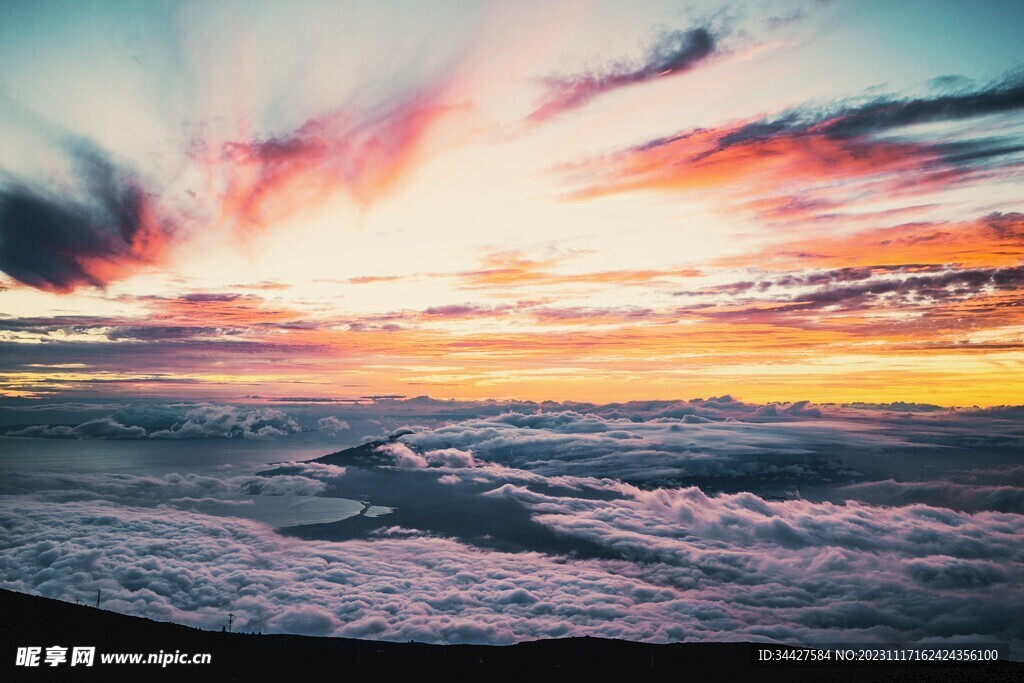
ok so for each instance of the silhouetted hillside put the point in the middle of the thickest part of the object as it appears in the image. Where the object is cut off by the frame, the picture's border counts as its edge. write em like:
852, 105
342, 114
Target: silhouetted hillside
35, 621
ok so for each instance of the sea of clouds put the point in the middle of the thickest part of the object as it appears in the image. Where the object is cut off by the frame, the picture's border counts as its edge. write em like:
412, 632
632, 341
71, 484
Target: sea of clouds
708, 520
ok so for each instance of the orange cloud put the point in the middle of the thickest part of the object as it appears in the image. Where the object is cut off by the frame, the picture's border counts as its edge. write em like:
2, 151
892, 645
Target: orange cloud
707, 159
817, 161
515, 269
270, 180
993, 240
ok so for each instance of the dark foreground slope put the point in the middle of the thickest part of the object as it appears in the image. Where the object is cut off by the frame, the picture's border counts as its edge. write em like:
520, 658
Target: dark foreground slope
34, 621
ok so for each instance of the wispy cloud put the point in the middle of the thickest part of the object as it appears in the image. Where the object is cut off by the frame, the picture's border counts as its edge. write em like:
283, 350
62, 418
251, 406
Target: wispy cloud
835, 155
671, 53
515, 268
362, 154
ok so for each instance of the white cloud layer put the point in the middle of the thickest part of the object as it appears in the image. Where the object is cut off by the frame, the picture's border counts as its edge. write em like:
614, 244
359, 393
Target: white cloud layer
692, 567
871, 558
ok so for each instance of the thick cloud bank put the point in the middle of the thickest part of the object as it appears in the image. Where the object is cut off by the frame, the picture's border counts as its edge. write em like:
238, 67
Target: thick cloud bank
183, 421
693, 567
655, 521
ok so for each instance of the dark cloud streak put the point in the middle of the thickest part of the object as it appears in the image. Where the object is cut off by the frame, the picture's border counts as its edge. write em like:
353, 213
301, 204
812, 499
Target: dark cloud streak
673, 53
871, 143
53, 242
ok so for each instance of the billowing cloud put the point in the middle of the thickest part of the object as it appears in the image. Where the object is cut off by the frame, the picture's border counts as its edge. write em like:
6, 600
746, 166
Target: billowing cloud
969, 497
308, 479
672, 53
872, 524
101, 228
788, 450
450, 457
226, 421
686, 447
694, 567
102, 428
403, 456
181, 421
332, 425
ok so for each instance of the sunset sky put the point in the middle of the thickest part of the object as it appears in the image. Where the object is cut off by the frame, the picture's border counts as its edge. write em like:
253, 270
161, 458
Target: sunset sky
598, 201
